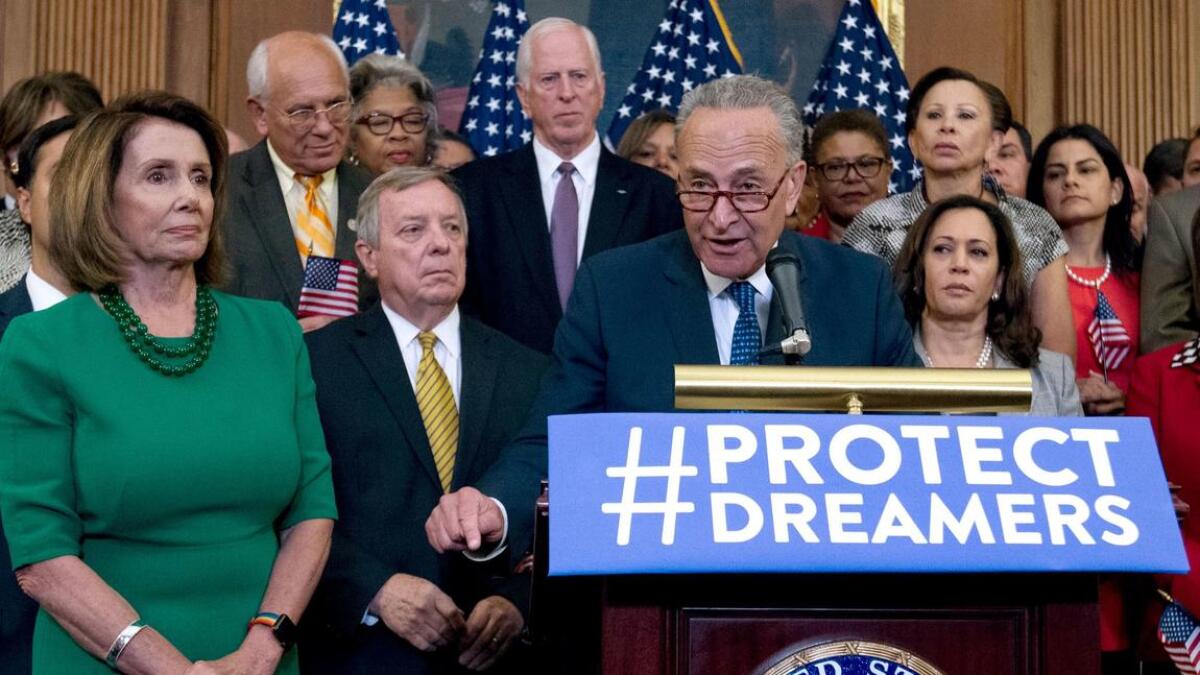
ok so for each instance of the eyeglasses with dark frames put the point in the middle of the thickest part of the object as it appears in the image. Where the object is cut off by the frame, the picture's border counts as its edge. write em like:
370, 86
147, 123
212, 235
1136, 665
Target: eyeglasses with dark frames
306, 118
837, 170
703, 201
381, 124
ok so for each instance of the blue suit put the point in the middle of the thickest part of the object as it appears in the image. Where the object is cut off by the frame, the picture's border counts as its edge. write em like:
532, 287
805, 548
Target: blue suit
637, 311
17, 610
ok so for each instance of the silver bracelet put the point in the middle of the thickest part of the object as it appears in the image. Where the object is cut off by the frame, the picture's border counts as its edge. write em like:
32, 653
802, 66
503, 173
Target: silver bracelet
122, 641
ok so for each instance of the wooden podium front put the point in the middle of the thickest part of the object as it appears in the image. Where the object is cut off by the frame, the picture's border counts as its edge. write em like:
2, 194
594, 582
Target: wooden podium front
676, 625
970, 624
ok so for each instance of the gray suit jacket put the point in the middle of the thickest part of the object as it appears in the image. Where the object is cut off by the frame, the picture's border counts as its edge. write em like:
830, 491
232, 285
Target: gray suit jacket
1054, 390
258, 234
1169, 272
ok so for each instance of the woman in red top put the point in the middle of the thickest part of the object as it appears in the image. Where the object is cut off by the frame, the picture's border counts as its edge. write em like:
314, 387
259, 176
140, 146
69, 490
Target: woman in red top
1166, 388
1079, 177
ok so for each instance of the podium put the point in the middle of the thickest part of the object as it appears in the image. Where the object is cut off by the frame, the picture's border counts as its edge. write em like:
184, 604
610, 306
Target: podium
1017, 624
1039, 621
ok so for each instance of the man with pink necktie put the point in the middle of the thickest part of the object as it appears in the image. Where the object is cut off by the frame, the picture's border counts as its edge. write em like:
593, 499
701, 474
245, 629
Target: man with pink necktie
539, 211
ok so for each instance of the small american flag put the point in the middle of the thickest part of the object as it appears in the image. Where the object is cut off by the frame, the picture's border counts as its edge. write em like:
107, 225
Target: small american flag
363, 27
1110, 342
861, 71
692, 45
330, 287
1180, 636
494, 121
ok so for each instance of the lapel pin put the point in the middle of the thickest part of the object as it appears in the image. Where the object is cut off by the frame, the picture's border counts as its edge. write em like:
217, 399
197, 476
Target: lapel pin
622, 191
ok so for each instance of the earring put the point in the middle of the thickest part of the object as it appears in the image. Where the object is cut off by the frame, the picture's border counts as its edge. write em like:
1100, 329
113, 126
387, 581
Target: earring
995, 296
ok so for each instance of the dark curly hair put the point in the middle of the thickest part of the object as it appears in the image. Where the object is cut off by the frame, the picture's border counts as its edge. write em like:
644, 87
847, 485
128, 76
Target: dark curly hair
1119, 243
1009, 323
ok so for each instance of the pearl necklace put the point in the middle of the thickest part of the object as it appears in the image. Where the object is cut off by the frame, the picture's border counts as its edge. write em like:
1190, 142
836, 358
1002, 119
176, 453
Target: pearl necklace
1092, 283
985, 355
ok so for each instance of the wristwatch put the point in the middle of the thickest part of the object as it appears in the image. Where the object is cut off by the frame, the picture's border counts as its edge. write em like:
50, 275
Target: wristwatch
281, 626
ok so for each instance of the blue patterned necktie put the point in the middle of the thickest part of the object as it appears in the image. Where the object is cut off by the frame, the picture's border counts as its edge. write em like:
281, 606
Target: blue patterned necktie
747, 338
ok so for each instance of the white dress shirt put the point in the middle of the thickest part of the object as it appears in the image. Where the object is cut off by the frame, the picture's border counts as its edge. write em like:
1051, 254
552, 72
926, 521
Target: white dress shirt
448, 352
41, 293
294, 191
587, 164
724, 308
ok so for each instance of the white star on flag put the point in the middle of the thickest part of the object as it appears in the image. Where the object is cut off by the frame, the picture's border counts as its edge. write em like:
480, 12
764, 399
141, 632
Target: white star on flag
691, 36
857, 67
363, 28
500, 125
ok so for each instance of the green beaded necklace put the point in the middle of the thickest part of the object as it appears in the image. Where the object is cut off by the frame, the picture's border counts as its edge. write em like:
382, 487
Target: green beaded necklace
172, 361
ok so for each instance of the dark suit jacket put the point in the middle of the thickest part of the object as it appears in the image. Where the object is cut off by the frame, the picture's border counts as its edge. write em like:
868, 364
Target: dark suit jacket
1169, 272
510, 270
386, 484
258, 234
17, 610
13, 303
637, 312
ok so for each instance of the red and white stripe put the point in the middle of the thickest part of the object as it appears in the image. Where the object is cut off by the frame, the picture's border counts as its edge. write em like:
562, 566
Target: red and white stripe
1187, 655
342, 301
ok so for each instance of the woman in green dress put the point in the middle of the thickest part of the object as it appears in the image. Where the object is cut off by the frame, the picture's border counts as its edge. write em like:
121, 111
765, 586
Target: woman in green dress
163, 475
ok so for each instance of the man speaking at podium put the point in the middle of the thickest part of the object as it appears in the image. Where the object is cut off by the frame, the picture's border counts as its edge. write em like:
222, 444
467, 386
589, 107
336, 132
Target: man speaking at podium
699, 296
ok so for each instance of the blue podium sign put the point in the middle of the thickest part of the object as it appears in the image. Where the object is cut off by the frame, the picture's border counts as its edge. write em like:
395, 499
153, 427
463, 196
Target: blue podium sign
736, 492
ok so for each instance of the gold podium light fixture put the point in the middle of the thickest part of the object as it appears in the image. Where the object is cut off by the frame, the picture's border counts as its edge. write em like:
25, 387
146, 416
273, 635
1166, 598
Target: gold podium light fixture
895, 390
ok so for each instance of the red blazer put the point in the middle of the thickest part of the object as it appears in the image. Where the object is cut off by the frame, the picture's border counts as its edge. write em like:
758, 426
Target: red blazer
1170, 397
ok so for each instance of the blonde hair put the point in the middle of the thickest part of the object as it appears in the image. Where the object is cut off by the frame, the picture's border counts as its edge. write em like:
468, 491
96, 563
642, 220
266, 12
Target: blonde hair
84, 243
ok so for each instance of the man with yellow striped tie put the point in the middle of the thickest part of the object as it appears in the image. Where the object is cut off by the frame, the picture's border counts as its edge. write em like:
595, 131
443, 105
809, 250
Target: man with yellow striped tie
416, 401
292, 195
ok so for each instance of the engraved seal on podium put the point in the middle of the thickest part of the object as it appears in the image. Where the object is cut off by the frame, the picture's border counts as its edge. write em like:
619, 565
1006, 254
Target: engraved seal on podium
847, 657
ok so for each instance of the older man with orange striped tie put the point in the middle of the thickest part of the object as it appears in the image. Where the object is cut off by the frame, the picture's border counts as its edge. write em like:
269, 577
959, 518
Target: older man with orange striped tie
292, 194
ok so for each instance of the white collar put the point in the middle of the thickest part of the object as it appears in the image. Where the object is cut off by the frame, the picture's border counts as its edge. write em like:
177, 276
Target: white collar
717, 284
42, 293
287, 176
587, 162
446, 331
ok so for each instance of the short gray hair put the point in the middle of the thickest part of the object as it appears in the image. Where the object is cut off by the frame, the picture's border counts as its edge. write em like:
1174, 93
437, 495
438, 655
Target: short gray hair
744, 92
256, 66
401, 178
545, 27
380, 70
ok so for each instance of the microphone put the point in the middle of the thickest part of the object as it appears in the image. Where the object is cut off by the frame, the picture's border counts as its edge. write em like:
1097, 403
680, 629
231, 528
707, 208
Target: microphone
783, 269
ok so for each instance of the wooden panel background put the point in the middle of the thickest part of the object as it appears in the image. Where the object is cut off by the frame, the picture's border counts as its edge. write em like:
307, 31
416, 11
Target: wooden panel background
1131, 69
119, 44
977, 35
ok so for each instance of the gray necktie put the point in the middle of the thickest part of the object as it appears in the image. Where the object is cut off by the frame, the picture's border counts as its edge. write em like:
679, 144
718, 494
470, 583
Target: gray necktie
564, 232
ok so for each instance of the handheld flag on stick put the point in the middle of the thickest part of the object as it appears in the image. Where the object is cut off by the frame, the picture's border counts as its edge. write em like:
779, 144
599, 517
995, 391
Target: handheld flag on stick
1180, 635
330, 287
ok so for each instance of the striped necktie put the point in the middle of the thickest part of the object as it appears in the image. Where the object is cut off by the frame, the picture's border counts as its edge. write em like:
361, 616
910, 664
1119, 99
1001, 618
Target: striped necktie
316, 232
436, 401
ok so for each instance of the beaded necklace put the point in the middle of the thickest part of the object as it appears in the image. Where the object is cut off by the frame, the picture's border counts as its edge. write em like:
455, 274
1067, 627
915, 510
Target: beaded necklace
985, 355
1092, 283
169, 360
